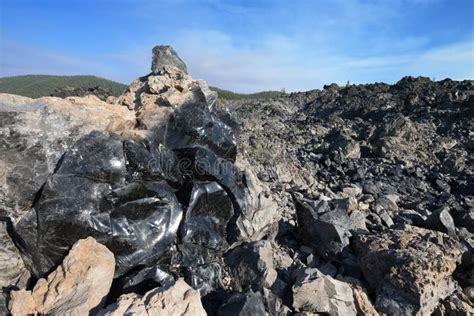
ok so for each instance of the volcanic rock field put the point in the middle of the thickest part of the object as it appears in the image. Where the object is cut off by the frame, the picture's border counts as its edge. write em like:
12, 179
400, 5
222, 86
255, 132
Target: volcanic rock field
349, 200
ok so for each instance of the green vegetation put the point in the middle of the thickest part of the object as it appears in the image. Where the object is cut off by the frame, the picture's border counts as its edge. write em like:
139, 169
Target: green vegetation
229, 95
35, 86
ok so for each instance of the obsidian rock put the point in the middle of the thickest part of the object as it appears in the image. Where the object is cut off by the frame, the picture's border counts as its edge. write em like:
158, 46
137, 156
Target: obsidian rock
328, 232
243, 304
165, 55
251, 266
209, 211
195, 125
93, 194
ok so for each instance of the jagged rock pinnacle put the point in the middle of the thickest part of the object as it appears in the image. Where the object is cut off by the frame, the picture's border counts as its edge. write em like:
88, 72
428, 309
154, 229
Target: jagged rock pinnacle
165, 55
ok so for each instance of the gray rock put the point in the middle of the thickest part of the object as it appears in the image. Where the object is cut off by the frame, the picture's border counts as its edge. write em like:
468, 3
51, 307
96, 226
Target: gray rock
358, 220
328, 269
457, 304
3, 303
410, 217
274, 305
384, 216
387, 203
340, 140
442, 221
243, 304
328, 232
317, 293
12, 268
252, 266
165, 55
13, 272
351, 190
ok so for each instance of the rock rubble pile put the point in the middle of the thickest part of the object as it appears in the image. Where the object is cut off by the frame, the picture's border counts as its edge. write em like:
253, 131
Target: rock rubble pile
352, 200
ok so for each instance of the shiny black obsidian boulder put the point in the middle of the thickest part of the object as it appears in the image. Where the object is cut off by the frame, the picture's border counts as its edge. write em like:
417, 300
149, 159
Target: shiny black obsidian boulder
195, 125
94, 194
204, 235
207, 216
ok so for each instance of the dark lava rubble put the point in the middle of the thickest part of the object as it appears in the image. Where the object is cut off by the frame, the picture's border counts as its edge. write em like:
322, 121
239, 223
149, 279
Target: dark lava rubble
355, 200
369, 160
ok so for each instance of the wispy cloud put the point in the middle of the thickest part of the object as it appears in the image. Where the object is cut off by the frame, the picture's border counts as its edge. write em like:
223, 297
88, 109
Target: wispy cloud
278, 63
262, 45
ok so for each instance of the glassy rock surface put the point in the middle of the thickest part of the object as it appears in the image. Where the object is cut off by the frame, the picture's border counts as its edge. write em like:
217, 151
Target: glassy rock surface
91, 195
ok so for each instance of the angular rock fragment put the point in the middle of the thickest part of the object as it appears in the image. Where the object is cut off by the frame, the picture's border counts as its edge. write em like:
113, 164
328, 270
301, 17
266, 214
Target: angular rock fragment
178, 299
252, 266
202, 267
254, 212
411, 268
327, 231
243, 304
352, 190
165, 55
140, 281
317, 293
77, 286
21, 303
442, 221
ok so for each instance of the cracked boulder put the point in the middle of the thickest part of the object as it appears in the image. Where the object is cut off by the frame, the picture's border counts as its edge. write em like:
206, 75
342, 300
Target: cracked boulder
409, 267
193, 124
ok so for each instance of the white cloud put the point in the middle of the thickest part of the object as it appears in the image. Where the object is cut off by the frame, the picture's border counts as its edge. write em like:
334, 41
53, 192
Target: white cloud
280, 61
276, 61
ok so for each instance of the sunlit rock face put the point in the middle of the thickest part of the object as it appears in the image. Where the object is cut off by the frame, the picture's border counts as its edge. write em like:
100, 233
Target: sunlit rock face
159, 188
347, 200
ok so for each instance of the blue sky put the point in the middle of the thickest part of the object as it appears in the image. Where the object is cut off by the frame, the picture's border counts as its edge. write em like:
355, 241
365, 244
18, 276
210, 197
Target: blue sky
241, 45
